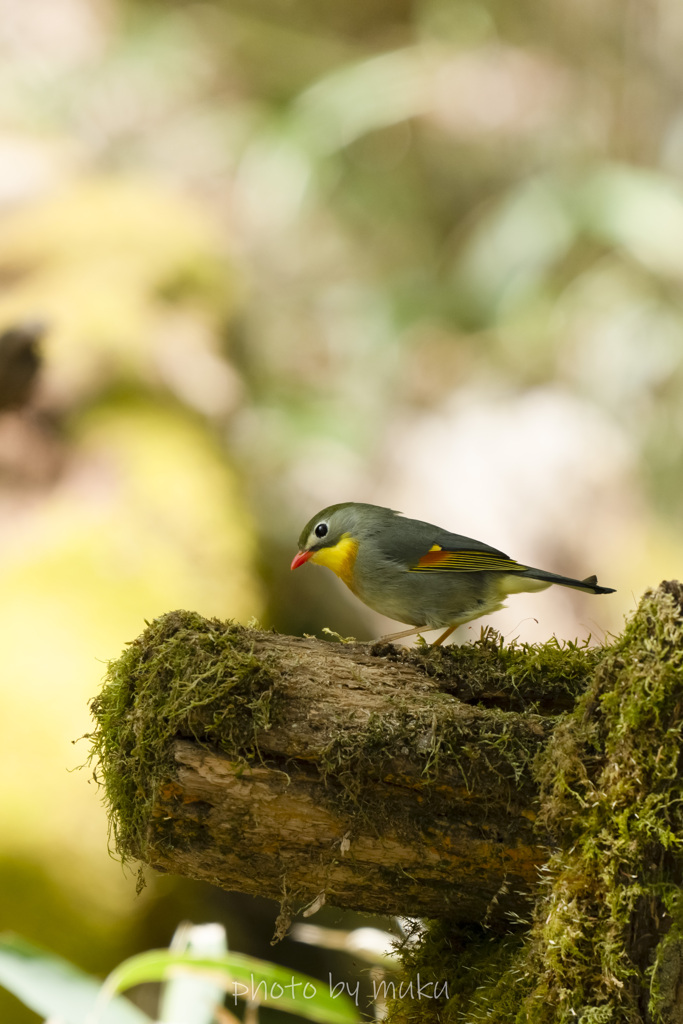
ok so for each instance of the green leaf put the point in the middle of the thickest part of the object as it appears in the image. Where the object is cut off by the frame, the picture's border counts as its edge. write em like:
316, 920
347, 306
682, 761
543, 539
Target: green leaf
53, 987
241, 977
192, 998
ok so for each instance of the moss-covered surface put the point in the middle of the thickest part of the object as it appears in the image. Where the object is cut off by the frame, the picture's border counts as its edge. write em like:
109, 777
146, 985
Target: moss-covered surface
520, 676
191, 677
604, 944
520, 686
186, 676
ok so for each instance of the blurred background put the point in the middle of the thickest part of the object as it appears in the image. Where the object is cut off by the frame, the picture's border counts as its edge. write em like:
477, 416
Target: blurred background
283, 253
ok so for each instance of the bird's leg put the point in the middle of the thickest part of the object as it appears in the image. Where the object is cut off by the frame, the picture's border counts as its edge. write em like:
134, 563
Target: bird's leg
444, 636
390, 637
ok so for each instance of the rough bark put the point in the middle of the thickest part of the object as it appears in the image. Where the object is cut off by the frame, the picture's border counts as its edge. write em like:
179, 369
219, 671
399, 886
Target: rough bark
380, 780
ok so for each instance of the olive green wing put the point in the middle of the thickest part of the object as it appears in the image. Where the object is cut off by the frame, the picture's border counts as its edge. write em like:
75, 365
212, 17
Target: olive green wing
421, 547
450, 552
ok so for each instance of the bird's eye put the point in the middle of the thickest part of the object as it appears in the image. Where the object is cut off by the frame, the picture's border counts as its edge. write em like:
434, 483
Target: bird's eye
321, 530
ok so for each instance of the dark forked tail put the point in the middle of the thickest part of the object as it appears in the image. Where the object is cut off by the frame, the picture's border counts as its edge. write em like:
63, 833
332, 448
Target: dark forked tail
590, 583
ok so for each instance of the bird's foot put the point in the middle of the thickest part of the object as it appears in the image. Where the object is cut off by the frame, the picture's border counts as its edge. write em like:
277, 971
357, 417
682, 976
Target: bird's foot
390, 637
444, 636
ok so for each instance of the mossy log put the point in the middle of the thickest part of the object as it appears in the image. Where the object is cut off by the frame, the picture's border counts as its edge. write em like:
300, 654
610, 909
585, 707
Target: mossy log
605, 942
431, 782
376, 778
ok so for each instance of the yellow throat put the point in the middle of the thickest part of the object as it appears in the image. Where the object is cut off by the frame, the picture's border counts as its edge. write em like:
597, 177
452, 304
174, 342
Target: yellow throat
340, 558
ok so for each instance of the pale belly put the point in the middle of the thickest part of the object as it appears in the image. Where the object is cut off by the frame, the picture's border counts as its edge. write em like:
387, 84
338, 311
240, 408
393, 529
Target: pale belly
437, 600
434, 602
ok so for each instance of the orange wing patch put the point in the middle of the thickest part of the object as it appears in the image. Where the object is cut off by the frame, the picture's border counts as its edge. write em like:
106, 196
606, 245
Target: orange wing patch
438, 560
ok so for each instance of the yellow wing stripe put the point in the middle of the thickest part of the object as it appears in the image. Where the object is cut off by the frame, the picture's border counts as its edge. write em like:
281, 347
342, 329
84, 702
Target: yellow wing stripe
466, 561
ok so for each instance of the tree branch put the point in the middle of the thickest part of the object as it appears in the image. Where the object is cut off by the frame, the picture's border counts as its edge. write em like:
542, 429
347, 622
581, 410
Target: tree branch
388, 780
405, 782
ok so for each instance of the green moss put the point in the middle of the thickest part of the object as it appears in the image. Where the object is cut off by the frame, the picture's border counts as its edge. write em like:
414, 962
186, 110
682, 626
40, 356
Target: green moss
517, 675
496, 750
189, 676
603, 942
185, 676
492, 752
604, 945
468, 969
612, 788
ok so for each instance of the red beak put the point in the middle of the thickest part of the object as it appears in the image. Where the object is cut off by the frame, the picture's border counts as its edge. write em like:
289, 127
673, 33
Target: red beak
300, 558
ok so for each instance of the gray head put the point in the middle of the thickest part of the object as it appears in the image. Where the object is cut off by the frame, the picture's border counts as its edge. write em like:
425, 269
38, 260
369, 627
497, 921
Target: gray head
353, 518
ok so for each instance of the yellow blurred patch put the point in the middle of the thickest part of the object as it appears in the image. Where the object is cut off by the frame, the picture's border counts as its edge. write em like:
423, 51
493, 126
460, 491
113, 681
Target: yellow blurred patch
103, 263
149, 517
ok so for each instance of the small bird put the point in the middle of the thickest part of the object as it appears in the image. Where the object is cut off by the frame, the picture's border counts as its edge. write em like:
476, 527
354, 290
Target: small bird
418, 573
